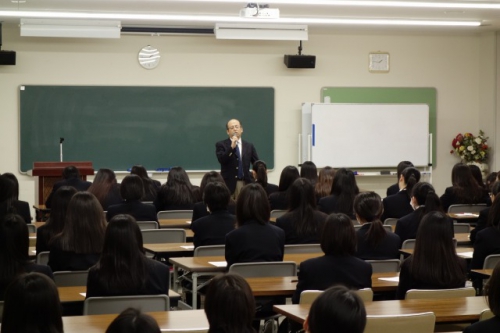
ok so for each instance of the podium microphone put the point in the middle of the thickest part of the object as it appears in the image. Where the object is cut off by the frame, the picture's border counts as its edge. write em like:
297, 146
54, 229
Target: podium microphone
61, 140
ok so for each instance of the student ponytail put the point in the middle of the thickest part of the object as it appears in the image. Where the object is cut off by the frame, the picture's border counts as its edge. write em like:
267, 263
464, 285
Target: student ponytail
260, 169
425, 196
368, 206
411, 177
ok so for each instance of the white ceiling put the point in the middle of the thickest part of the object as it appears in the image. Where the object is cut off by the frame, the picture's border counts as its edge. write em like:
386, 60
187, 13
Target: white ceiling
490, 18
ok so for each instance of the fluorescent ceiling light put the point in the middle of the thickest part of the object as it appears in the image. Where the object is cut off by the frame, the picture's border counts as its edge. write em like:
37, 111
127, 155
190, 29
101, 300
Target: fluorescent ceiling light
70, 28
231, 19
260, 31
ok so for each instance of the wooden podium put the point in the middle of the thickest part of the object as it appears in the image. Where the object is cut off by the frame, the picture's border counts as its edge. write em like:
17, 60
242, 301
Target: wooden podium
51, 172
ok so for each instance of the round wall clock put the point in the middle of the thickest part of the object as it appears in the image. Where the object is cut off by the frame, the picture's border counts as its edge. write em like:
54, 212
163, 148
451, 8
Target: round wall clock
149, 57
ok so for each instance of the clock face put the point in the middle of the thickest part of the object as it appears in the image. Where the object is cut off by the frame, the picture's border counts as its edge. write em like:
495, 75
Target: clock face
379, 62
149, 57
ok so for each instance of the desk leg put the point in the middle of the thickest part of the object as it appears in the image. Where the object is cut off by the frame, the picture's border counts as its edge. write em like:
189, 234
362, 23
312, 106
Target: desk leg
194, 276
175, 282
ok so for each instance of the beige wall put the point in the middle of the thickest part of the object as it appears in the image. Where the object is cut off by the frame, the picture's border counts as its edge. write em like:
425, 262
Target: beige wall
461, 68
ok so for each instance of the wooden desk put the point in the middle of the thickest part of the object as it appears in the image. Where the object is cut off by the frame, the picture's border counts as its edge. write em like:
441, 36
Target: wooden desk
464, 252
167, 320
201, 266
74, 294
482, 273
175, 223
464, 309
38, 224
32, 239
464, 216
163, 248
463, 239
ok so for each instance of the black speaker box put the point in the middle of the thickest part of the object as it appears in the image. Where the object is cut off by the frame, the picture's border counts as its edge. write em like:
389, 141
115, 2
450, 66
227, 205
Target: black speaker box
7, 57
300, 61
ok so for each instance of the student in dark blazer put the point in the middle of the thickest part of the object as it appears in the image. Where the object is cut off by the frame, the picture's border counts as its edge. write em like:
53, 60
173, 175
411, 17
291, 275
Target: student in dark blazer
465, 189
279, 200
302, 223
212, 229
132, 190
71, 177
338, 265
483, 220
151, 186
106, 189
259, 173
394, 188
492, 292
341, 198
228, 151
488, 239
200, 208
424, 200
79, 245
21, 207
398, 205
177, 193
254, 239
123, 269
434, 263
374, 242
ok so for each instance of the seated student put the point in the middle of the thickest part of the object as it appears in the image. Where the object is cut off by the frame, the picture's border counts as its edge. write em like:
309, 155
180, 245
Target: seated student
21, 207
338, 265
199, 208
123, 269
133, 321
32, 305
398, 205
490, 180
478, 176
434, 263
323, 186
14, 244
105, 188
71, 177
259, 173
278, 200
177, 193
341, 198
79, 245
7, 193
336, 310
302, 223
465, 189
394, 188
488, 239
229, 305
374, 242
483, 220
492, 292
132, 190
254, 239
212, 229
309, 171
423, 200
55, 223
151, 186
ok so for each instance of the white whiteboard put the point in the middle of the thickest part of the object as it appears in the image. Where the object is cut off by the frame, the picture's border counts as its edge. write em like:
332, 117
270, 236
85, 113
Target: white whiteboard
369, 135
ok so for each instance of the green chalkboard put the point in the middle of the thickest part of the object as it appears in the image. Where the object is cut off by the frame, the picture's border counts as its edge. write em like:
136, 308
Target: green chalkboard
158, 127
388, 95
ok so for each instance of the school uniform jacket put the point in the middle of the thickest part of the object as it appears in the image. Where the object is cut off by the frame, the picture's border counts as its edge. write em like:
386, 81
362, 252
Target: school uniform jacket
60, 260
387, 248
77, 183
396, 205
407, 226
200, 210
393, 189
487, 242
213, 228
323, 272
278, 200
450, 198
253, 242
485, 326
285, 222
482, 222
139, 210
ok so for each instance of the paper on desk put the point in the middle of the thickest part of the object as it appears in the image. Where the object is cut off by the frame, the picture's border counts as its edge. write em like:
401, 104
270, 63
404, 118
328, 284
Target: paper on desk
188, 222
467, 214
391, 279
83, 294
188, 247
465, 254
218, 263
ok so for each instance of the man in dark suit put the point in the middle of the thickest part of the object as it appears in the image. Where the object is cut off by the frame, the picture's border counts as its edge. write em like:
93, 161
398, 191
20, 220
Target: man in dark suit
71, 177
235, 156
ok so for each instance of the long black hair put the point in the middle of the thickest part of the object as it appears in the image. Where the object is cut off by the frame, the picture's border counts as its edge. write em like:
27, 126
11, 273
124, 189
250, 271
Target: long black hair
344, 187
368, 206
302, 204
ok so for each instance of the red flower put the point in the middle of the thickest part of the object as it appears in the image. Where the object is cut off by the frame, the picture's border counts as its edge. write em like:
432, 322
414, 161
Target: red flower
452, 151
455, 143
459, 137
484, 146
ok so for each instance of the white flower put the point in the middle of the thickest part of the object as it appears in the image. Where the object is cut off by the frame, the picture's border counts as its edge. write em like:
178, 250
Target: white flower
473, 152
470, 148
478, 141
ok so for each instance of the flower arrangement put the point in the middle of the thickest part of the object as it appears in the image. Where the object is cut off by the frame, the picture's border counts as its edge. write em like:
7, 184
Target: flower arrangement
470, 148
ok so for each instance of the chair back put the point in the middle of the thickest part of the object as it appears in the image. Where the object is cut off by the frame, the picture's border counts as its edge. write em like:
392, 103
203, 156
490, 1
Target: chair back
303, 248
391, 221
385, 266
462, 208
486, 314
264, 269
71, 278
116, 304
210, 251
410, 323
175, 214
277, 213
31, 228
408, 244
42, 258
440, 293
387, 228
308, 296
491, 261
366, 294
461, 228
158, 236
147, 225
